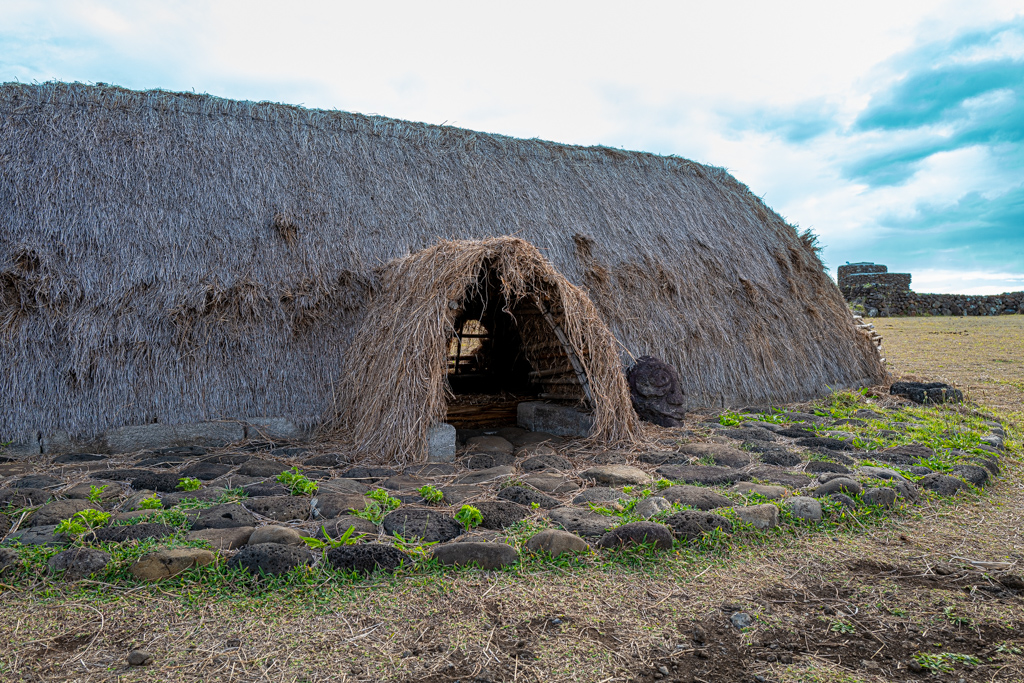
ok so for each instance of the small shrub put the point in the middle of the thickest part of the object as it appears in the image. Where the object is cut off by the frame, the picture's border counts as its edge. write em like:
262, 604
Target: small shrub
469, 517
82, 522
189, 484
381, 503
431, 494
150, 503
662, 484
96, 493
297, 483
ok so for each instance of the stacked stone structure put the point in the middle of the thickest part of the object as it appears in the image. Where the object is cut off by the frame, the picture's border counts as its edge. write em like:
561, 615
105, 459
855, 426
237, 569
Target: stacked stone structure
872, 288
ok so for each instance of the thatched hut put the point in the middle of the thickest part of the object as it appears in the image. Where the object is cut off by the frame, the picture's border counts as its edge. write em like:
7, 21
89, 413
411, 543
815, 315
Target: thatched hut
172, 257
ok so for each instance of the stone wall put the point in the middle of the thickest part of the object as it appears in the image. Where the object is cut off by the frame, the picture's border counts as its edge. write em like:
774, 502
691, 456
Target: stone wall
874, 291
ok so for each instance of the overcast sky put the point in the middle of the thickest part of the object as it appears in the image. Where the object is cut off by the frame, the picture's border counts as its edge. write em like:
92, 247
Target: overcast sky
894, 130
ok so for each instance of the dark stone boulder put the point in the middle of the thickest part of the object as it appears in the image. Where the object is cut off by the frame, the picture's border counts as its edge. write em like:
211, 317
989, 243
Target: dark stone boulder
205, 471
280, 508
838, 485
36, 481
908, 454
527, 495
225, 516
164, 482
709, 475
360, 472
270, 558
654, 388
23, 498
367, 558
943, 484
472, 553
75, 458
78, 563
485, 461
257, 467
699, 497
581, 521
499, 514
972, 473
545, 462
338, 526
931, 392
824, 466
825, 442
689, 525
635, 533
422, 524
779, 457
58, 511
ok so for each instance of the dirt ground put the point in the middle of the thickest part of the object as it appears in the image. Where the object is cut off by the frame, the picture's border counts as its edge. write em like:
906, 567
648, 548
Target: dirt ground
822, 608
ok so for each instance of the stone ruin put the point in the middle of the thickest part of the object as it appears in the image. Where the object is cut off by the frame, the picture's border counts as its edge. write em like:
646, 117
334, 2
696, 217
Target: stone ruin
874, 291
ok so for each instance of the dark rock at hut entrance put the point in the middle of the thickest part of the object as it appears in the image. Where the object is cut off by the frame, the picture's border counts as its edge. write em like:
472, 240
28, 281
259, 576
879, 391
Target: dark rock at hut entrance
527, 495
366, 558
654, 388
931, 392
545, 462
422, 523
485, 461
270, 558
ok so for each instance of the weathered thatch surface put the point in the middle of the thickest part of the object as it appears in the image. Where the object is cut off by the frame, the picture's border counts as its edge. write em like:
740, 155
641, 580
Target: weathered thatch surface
411, 320
178, 257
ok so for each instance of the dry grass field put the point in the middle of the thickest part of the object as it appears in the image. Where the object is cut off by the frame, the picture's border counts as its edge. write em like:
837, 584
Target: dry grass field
843, 608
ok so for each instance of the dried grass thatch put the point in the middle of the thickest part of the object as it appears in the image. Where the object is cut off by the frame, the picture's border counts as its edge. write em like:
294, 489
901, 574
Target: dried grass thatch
179, 257
389, 400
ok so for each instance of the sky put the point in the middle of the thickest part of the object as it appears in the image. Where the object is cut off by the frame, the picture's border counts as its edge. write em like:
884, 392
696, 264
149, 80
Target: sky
893, 130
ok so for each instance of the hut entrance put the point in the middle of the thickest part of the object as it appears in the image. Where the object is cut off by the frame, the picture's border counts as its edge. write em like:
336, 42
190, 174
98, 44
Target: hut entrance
505, 352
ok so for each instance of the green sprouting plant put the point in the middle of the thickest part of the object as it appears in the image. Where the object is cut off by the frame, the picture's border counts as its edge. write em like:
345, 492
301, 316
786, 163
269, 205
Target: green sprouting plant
82, 522
189, 484
628, 489
380, 504
534, 505
417, 548
662, 484
149, 503
347, 538
96, 493
943, 662
469, 517
730, 419
950, 614
297, 483
431, 494
841, 626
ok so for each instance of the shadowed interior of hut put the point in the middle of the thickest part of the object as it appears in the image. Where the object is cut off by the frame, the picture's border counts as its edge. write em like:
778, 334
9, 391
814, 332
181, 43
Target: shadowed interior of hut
502, 353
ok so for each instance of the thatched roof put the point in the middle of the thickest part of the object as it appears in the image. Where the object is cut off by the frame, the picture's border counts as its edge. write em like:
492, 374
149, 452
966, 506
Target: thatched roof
178, 257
